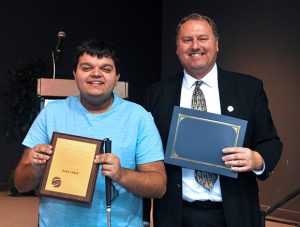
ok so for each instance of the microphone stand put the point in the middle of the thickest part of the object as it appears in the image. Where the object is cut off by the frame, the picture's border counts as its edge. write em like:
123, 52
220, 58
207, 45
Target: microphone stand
108, 185
56, 50
54, 56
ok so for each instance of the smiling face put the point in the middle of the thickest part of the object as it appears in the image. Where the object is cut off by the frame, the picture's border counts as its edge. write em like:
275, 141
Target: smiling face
197, 47
96, 79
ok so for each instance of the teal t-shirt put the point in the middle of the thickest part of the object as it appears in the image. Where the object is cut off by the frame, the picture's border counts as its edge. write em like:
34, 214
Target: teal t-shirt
135, 140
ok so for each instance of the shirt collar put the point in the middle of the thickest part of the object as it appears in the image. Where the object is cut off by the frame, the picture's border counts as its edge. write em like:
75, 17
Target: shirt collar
210, 79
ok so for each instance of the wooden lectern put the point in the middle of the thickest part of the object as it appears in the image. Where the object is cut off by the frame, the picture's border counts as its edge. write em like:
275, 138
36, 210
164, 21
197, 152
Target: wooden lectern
48, 88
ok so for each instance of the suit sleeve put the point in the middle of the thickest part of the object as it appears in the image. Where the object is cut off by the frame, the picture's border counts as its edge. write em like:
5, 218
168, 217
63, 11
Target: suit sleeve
266, 140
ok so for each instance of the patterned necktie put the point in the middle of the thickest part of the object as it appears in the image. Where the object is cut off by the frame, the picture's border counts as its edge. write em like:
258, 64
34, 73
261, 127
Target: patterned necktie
206, 179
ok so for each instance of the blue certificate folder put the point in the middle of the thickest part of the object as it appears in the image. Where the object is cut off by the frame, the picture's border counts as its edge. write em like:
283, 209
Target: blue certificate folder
196, 140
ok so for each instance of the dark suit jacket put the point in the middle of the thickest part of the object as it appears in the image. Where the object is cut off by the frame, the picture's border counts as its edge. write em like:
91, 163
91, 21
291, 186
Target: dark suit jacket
240, 196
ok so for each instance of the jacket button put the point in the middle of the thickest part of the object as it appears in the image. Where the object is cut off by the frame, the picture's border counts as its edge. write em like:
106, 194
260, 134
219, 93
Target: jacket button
178, 185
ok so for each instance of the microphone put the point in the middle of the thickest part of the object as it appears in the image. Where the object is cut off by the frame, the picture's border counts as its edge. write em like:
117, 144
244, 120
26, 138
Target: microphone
61, 35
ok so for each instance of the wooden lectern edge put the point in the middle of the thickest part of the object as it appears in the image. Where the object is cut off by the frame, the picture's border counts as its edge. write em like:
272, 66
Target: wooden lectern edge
48, 87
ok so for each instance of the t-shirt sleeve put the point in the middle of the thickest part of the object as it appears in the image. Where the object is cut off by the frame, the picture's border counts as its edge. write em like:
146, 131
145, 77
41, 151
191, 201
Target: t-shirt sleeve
149, 144
37, 133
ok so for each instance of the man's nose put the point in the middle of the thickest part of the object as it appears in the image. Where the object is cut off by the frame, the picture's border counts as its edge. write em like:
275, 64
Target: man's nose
195, 44
97, 72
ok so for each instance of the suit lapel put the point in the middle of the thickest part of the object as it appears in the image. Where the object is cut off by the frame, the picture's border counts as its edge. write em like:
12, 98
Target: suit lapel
228, 98
227, 94
172, 95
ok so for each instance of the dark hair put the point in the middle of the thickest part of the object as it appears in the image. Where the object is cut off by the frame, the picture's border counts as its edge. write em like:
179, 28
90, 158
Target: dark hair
97, 48
196, 16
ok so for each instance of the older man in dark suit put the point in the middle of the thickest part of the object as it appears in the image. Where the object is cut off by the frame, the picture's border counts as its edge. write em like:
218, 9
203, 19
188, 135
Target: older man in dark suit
228, 202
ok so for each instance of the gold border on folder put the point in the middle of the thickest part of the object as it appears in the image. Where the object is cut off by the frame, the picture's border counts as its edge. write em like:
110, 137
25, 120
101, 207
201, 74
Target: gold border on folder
181, 117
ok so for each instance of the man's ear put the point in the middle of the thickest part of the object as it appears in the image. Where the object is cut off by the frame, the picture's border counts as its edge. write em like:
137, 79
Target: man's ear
74, 74
117, 79
176, 50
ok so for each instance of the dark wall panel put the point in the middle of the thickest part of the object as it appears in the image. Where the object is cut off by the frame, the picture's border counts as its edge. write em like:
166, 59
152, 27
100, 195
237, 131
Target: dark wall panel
29, 31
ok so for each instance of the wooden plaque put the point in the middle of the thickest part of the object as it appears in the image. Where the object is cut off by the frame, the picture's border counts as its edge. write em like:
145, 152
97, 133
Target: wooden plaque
70, 173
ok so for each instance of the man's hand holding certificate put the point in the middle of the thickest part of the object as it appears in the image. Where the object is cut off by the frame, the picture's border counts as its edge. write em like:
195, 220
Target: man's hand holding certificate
196, 140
